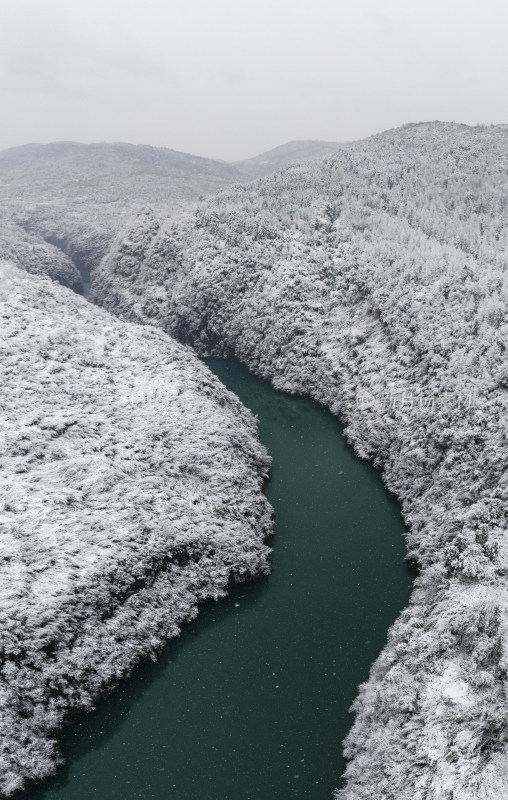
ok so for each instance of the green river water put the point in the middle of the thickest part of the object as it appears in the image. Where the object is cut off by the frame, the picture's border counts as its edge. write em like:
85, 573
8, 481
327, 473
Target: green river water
251, 701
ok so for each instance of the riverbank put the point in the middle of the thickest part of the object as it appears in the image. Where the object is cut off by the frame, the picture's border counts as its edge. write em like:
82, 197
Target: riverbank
131, 492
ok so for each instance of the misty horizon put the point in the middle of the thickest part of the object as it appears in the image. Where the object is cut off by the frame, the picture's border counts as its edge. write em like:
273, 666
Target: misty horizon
229, 81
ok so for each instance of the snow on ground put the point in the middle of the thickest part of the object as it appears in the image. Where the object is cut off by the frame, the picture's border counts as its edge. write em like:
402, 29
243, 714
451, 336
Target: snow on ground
63, 203
35, 255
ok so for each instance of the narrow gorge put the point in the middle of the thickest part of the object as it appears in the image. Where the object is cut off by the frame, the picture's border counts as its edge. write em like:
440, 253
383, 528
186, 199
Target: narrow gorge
373, 282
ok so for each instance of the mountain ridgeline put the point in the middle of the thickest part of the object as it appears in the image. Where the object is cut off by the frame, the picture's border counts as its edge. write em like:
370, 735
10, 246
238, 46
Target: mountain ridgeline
69, 199
374, 281
285, 155
63, 203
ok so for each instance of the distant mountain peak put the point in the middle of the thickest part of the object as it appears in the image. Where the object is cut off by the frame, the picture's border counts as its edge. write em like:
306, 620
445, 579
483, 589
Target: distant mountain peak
284, 155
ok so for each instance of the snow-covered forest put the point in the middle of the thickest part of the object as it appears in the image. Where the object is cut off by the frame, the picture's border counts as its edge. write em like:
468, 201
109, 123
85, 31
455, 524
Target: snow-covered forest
73, 198
62, 204
375, 282
131, 491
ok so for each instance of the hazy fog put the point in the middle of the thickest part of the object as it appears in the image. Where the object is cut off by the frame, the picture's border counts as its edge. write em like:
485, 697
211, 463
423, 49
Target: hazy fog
229, 79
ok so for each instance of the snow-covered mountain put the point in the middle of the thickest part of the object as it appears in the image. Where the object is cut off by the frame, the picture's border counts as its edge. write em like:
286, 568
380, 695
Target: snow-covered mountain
284, 156
131, 491
108, 172
69, 200
375, 281
76, 197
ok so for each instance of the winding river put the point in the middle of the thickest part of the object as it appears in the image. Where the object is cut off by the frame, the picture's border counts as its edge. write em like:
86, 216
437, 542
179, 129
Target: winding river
251, 701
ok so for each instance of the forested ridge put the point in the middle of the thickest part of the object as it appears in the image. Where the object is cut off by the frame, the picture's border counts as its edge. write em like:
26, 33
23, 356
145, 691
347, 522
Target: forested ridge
68, 200
131, 492
63, 203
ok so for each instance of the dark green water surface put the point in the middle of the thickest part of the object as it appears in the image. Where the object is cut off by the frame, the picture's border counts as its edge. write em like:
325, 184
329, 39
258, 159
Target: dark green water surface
251, 701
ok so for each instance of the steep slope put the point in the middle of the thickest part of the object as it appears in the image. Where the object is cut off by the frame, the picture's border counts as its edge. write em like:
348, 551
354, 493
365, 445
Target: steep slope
77, 196
131, 491
284, 156
375, 282
33, 254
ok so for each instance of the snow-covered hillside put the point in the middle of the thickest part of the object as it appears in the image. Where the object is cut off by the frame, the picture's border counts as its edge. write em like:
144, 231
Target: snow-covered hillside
67, 201
77, 196
33, 254
375, 281
131, 491
108, 172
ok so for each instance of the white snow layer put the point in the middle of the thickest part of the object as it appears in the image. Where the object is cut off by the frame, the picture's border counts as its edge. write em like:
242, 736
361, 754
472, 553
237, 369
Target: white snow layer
131, 491
375, 281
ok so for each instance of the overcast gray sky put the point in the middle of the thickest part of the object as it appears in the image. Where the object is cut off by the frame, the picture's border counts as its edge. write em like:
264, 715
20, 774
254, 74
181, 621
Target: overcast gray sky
231, 78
